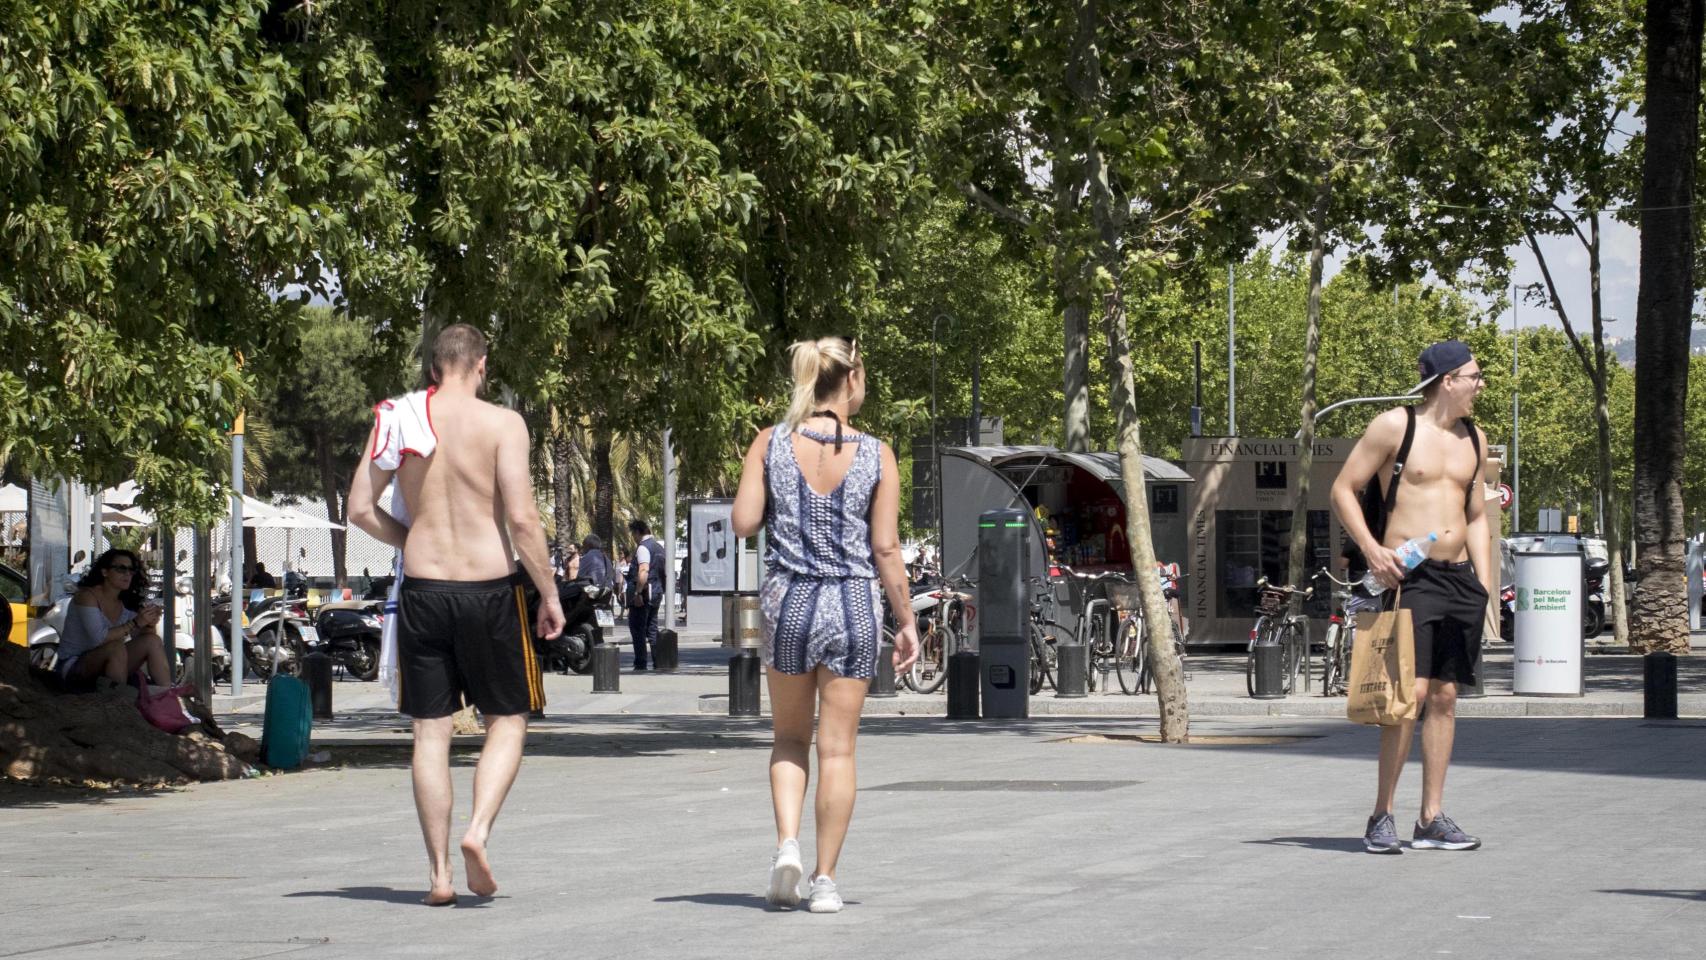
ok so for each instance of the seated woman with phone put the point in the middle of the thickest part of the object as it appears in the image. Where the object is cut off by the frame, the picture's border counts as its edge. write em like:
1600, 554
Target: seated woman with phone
109, 631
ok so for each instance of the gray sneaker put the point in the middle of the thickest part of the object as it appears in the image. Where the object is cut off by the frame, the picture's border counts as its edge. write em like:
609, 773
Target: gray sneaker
824, 897
1381, 835
1442, 834
785, 870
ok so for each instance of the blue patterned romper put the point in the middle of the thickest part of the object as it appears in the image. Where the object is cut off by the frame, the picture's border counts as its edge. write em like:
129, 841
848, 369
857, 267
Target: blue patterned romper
821, 600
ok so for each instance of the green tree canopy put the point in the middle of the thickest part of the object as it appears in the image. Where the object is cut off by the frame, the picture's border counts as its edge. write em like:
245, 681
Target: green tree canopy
158, 197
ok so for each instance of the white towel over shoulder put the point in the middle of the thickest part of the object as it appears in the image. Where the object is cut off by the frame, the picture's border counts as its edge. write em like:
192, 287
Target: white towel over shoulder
404, 426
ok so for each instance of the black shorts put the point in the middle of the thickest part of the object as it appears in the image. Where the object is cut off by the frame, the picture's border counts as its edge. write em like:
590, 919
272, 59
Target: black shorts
465, 642
1448, 606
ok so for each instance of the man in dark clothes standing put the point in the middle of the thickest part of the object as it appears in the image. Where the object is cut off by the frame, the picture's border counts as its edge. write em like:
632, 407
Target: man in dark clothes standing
645, 590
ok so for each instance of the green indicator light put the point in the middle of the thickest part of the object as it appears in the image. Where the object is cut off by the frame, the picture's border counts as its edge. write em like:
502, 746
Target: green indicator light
987, 525
1015, 524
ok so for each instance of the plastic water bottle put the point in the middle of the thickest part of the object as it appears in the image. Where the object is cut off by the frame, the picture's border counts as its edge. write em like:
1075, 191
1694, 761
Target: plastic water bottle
1410, 554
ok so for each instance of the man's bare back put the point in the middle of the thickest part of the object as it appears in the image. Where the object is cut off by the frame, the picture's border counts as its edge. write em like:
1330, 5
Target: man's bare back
459, 636
457, 496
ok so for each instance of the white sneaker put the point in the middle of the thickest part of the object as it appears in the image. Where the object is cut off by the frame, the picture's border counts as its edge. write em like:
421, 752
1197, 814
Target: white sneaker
825, 898
785, 871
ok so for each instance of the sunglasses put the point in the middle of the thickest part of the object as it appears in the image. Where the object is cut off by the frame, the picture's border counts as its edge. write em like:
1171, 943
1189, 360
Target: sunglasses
122, 568
1477, 376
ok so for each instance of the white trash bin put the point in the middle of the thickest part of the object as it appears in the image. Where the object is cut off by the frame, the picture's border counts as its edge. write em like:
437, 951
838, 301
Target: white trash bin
1548, 643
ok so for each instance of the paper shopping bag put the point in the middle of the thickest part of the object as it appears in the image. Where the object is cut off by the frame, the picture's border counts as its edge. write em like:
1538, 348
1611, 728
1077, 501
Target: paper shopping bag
1383, 668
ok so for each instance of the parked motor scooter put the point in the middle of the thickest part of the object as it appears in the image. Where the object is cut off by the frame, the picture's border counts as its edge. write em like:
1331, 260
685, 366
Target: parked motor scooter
586, 616
183, 640
349, 632
44, 634
278, 629
1593, 597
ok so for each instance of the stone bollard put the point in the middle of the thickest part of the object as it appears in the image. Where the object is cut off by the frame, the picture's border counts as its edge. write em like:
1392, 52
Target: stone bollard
606, 668
883, 683
1268, 681
745, 671
317, 673
1658, 676
744, 684
666, 653
1071, 671
964, 683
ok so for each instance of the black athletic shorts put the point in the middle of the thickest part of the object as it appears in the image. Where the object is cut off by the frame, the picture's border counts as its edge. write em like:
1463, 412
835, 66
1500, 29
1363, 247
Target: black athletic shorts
465, 642
1448, 606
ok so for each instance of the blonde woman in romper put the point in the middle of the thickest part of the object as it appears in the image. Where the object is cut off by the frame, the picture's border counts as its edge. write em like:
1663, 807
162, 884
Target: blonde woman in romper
829, 499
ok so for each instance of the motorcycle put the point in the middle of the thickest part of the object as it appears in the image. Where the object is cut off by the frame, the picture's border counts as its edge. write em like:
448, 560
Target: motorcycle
586, 615
349, 632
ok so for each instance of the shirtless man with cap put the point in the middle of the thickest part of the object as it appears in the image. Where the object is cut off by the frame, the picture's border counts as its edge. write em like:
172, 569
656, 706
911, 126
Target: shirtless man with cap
1438, 491
462, 632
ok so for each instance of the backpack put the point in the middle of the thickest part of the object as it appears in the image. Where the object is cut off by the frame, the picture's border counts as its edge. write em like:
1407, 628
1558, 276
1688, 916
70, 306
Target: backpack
288, 722
1376, 506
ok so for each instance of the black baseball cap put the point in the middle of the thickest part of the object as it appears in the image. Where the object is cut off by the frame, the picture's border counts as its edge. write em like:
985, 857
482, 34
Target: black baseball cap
1441, 358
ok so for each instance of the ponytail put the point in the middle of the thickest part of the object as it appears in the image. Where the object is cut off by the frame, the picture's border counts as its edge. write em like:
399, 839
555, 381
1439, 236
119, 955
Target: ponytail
820, 370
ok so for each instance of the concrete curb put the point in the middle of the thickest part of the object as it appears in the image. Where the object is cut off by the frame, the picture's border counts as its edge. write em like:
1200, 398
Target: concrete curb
1689, 705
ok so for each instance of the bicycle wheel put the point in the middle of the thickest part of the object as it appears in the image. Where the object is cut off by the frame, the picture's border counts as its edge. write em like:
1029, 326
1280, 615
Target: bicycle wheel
1257, 633
1291, 649
1132, 663
931, 668
1038, 673
1330, 659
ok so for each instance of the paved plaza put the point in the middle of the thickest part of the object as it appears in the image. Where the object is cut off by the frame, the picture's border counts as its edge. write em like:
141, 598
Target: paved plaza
648, 834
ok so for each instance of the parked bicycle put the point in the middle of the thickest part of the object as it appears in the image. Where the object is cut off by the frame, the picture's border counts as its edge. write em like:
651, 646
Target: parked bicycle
944, 614
1340, 639
1097, 626
1045, 657
1277, 624
1136, 671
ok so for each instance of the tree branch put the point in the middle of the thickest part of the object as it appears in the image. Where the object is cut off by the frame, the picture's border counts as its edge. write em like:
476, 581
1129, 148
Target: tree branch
982, 198
1558, 306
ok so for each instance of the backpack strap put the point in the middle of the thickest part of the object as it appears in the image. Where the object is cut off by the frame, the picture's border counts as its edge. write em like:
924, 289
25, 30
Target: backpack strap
1475, 441
1398, 461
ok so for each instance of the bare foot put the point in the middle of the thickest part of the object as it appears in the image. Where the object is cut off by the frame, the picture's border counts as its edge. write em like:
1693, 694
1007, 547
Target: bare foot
440, 897
480, 881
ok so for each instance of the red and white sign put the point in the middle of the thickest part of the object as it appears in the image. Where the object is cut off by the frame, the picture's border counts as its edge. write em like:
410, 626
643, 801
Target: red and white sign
1505, 495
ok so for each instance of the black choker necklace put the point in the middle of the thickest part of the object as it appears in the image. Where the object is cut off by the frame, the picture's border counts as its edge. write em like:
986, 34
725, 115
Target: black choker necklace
831, 414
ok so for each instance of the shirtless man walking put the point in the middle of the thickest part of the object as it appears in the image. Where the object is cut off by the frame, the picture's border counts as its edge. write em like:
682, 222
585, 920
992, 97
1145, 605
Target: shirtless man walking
461, 469
1438, 491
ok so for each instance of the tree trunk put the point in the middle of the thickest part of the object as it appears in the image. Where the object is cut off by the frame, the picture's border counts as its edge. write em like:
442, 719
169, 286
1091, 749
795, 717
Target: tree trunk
1299, 547
1663, 315
562, 507
335, 511
603, 490
1608, 520
46, 734
1070, 294
1085, 80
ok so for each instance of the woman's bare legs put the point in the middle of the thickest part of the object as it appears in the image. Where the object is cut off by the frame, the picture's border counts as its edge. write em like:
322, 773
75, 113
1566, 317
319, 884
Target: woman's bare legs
118, 660
149, 650
793, 702
841, 700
